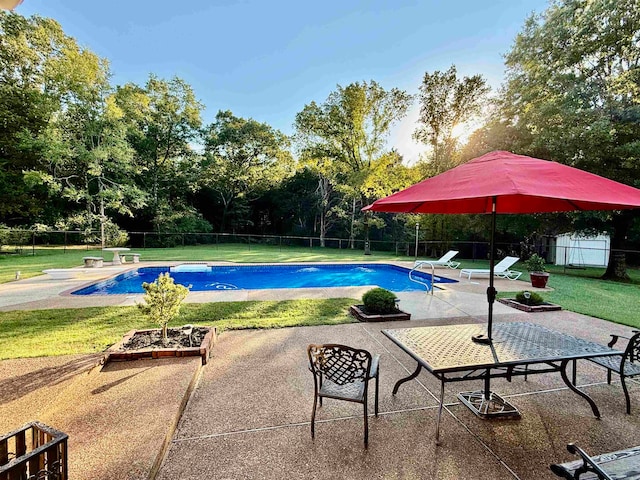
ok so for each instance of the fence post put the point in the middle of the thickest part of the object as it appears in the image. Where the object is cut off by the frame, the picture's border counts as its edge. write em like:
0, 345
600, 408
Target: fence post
33, 243
310, 242
144, 240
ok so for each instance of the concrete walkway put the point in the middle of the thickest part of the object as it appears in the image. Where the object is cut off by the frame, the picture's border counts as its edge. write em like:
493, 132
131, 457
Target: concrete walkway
249, 416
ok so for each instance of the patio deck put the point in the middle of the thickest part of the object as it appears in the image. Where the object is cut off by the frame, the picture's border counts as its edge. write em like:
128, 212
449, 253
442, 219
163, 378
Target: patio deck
249, 415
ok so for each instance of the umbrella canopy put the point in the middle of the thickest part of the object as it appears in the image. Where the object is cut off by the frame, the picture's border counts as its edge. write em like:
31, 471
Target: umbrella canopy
503, 182
520, 184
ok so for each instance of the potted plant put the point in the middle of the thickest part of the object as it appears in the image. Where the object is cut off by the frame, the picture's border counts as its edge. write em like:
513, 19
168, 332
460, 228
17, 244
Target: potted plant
163, 299
529, 302
379, 305
535, 265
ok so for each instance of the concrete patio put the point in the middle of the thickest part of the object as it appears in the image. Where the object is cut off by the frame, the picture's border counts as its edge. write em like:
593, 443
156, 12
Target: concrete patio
249, 416
248, 410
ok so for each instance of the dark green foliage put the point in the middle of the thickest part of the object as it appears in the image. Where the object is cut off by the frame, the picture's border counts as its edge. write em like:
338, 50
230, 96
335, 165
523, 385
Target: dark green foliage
379, 301
534, 299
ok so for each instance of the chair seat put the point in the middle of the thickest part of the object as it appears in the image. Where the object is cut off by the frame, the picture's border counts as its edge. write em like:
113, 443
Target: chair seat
613, 363
353, 391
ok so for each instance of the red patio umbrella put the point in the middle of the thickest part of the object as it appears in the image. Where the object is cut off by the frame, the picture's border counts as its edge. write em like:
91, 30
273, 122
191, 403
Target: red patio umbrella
503, 182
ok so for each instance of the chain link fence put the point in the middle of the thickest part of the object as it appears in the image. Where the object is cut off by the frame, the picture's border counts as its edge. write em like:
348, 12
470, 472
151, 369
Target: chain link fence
27, 242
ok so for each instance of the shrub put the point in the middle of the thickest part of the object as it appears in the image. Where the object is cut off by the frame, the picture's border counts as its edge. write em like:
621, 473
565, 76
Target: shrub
535, 263
534, 298
379, 301
162, 300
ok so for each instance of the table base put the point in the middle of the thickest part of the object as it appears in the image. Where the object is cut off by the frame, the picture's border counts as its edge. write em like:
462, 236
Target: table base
495, 407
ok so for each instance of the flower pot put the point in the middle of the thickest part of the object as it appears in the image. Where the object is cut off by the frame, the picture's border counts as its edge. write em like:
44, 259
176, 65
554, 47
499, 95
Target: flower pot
539, 279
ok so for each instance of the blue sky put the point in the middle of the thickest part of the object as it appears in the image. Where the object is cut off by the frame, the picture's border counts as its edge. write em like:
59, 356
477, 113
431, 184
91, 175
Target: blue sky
267, 59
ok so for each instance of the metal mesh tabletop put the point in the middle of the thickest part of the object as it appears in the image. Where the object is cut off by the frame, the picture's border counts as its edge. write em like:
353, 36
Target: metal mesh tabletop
450, 348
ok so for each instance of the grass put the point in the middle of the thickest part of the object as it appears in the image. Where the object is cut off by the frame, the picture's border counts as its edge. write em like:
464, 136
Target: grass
583, 291
38, 333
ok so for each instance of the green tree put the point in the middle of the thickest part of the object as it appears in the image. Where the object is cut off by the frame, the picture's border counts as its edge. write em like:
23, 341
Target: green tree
90, 163
573, 91
343, 138
163, 298
243, 158
42, 72
446, 103
163, 121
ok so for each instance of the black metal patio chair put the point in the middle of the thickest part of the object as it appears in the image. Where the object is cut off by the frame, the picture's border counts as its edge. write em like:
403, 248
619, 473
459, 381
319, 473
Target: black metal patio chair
342, 373
626, 365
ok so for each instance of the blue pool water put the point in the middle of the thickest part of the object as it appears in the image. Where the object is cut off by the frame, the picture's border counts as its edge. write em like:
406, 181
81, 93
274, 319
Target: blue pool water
257, 277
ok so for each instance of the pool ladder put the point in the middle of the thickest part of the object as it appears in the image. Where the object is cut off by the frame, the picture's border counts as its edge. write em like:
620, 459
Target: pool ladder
433, 276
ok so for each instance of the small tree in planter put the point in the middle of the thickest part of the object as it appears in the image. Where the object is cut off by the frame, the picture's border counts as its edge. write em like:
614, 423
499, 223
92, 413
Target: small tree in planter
162, 301
537, 273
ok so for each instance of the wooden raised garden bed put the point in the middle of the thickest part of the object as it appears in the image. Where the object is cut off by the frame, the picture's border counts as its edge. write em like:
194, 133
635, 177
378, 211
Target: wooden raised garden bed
358, 312
121, 350
544, 307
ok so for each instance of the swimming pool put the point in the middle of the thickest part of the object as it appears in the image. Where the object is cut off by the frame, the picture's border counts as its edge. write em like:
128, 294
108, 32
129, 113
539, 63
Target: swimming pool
257, 277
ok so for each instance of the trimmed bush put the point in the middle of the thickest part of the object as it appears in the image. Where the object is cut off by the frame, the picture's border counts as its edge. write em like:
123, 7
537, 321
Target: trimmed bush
535, 263
534, 299
379, 301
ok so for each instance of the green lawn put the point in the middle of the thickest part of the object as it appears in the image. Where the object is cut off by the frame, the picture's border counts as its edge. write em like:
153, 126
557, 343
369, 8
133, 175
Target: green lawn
37, 333
583, 291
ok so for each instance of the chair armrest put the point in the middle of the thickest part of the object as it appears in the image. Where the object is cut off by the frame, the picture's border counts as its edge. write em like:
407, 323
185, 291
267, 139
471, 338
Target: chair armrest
375, 362
589, 464
614, 339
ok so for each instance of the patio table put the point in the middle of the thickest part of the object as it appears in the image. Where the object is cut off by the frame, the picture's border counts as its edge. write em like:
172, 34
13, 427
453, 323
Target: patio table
518, 348
116, 254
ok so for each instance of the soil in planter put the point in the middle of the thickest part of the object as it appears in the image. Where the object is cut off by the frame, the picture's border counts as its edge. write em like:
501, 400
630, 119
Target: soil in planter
177, 338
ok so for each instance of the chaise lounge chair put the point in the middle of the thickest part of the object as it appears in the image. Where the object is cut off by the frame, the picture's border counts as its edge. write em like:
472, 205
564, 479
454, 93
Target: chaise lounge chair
500, 270
444, 261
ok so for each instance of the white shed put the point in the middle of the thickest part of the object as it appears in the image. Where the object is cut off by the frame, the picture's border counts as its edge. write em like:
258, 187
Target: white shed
580, 250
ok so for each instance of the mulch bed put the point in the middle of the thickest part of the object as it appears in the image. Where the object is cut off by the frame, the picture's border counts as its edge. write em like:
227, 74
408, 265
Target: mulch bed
176, 338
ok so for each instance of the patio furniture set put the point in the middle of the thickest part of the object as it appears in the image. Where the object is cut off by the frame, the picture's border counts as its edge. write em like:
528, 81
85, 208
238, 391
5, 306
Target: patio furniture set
449, 354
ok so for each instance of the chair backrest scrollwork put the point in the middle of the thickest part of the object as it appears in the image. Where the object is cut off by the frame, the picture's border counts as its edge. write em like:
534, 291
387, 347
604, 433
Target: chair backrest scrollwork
632, 353
339, 363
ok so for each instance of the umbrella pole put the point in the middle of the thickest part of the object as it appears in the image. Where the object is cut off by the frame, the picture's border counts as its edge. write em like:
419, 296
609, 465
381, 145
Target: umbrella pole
491, 291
